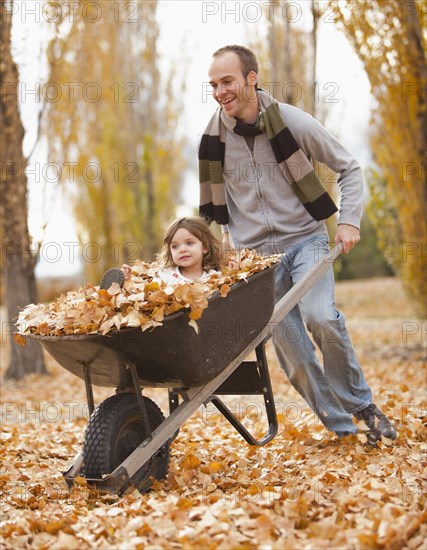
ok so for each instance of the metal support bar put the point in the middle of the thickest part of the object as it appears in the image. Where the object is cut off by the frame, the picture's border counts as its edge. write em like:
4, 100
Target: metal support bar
173, 396
88, 385
247, 436
73, 470
141, 402
267, 392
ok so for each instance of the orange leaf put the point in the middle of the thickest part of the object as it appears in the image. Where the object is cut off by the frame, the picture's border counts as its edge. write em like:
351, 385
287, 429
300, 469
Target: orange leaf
157, 298
79, 480
53, 526
184, 503
225, 289
196, 313
215, 466
190, 462
20, 339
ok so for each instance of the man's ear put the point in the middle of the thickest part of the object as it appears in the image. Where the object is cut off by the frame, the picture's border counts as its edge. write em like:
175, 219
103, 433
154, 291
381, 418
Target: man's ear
252, 78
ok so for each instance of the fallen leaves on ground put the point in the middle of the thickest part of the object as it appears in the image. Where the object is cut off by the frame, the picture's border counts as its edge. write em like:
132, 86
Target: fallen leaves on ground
144, 301
304, 490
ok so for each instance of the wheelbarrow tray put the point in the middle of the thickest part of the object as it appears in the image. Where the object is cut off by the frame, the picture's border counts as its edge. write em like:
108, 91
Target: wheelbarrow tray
173, 354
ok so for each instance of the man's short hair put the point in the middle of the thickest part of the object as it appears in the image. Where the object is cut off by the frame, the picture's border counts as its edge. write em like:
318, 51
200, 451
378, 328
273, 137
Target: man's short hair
247, 58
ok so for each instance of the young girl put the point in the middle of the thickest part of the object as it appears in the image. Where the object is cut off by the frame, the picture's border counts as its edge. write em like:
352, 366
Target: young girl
190, 253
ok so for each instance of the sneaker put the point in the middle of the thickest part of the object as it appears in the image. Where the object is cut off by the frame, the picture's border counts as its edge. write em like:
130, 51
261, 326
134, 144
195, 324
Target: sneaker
377, 422
111, 276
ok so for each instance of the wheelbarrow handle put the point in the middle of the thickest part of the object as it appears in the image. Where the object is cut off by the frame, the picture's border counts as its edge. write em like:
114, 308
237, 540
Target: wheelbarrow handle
293, 296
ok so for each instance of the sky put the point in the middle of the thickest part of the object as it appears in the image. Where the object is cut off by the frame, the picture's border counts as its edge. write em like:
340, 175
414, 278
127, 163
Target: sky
190, 31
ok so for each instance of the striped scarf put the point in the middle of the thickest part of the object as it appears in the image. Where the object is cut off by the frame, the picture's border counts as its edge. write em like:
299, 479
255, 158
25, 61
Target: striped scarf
292, 161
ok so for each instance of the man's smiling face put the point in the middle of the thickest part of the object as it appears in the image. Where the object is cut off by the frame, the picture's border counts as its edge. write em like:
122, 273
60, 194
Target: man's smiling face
235, 93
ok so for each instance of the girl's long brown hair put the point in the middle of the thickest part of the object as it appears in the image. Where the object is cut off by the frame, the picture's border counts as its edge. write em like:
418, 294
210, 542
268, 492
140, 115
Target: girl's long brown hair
212, 259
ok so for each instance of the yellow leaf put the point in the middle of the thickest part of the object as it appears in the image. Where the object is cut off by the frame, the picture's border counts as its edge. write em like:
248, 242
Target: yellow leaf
151, 287
184, 503
215, 466
190, 462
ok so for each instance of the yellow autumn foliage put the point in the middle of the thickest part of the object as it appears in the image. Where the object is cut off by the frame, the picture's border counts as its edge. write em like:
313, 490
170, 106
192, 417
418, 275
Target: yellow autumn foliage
114, 129
390, 39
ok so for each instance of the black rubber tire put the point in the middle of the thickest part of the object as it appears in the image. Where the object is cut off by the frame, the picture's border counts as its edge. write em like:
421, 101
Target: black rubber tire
114, 430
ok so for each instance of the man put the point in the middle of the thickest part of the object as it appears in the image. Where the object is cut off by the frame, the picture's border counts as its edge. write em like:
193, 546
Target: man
258, 182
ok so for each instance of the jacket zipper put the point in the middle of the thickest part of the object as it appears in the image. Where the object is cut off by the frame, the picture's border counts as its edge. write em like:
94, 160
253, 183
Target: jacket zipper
258, 186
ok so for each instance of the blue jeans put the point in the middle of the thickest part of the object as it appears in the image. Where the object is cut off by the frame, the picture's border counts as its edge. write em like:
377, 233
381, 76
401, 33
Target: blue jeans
339, 389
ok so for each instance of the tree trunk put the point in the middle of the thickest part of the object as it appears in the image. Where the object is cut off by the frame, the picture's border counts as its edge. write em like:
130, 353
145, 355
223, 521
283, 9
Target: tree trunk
273, 50
287, 60
415, 35
17, 258
315, 14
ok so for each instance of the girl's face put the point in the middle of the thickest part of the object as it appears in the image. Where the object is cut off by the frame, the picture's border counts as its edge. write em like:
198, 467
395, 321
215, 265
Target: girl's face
187, 251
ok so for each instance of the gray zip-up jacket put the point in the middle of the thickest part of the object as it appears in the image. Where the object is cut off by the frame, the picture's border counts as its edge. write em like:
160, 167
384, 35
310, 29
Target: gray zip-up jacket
264, 211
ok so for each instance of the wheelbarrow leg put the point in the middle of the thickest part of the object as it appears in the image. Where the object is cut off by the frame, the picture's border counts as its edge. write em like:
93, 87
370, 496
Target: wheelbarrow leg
88, 385
74, 470
267, 390
141, 402
75, 467
261, 384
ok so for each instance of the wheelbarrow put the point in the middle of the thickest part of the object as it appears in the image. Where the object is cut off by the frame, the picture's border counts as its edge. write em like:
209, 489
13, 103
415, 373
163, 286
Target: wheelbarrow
127, 439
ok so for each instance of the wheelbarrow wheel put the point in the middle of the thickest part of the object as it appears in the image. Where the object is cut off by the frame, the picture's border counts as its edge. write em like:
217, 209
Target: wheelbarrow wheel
115, 429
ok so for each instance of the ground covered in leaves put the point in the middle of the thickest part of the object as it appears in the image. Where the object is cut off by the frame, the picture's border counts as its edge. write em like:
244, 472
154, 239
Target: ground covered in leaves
304, 490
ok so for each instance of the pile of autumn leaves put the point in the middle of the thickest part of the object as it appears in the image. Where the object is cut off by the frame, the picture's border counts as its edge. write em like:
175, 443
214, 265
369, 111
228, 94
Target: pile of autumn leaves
143, 301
